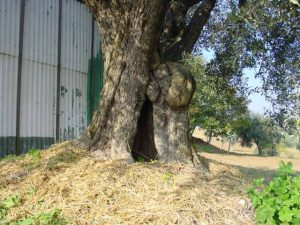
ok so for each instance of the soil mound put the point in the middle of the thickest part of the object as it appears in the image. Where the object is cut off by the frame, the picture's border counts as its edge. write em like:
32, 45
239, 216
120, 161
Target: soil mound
88, 191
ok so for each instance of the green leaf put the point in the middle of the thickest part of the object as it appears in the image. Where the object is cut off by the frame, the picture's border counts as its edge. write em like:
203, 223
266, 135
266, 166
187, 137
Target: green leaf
3, 212
285, 170
11, 201
270, 221
280, 190
48, 218
264, 213
258, 182
296, 181
285, 214
35, 154
279, 201
296, 213
27, 221
295, 221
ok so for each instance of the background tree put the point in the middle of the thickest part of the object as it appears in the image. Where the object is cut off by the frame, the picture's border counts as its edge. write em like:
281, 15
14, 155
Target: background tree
263, 35
216, 105
259, 130
145, 98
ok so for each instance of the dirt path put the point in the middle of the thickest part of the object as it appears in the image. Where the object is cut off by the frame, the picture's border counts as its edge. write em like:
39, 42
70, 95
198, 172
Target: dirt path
238, 148
253, 166
252, 162
245, 159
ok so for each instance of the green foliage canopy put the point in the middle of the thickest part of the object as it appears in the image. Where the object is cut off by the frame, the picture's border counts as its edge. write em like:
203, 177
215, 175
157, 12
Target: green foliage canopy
263, 35
261, 131
216, 105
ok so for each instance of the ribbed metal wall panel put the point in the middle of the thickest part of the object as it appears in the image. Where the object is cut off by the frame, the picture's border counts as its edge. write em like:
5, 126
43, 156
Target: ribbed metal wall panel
39, 69
38, 106
8, 96
73, 104
9, 49
41, 31
9, 27
76, 36
76, 51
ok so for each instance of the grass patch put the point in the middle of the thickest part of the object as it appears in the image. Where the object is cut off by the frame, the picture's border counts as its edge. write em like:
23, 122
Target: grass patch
35, 154
207, 148
65, 157
35, 159
204, 148
12, 158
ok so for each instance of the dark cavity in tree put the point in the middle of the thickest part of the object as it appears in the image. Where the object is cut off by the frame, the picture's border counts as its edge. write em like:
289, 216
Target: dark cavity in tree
144, 145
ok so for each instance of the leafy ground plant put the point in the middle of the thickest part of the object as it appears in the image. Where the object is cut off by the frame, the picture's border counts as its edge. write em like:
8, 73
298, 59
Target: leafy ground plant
52, 217
6, 204
278, 202
48, 218
35, 154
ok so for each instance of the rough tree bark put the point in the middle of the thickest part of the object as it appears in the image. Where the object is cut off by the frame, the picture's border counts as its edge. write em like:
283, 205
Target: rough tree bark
145, 98
259, 148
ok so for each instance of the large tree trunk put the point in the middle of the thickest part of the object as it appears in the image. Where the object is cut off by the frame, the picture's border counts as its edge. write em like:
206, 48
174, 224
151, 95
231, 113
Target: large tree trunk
144, 101
128, 35
259, 148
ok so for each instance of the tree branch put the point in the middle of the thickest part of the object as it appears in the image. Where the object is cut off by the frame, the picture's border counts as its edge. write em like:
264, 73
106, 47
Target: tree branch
175, 21
191, 3
242, 3
195, 27
191, 33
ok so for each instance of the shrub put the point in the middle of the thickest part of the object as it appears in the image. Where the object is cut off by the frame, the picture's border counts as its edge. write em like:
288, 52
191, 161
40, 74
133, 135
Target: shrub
278, 202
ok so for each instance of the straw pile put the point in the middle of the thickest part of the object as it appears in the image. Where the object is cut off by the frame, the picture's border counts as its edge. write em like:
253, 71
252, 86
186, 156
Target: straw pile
88, 191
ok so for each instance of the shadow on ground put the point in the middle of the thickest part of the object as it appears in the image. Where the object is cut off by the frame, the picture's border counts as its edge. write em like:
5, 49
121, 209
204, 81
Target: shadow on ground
203, 146
251, 173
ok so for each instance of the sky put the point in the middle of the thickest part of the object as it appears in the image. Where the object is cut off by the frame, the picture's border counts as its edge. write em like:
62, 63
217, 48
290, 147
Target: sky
258, 103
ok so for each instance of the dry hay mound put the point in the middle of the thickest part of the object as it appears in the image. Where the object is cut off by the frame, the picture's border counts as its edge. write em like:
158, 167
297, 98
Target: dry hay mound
88, 191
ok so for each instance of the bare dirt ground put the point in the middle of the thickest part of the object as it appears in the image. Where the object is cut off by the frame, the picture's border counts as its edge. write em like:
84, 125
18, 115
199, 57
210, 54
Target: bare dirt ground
246, 159
255, 162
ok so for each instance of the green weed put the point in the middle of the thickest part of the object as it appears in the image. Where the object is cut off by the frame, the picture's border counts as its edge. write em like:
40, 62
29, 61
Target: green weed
52, 217
35, 157
35, 154
278, 202
168, 177
45, 218
140, 159
6, 204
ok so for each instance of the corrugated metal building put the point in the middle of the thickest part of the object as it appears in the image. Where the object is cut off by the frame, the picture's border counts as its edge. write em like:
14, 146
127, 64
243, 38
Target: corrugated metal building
47, 49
